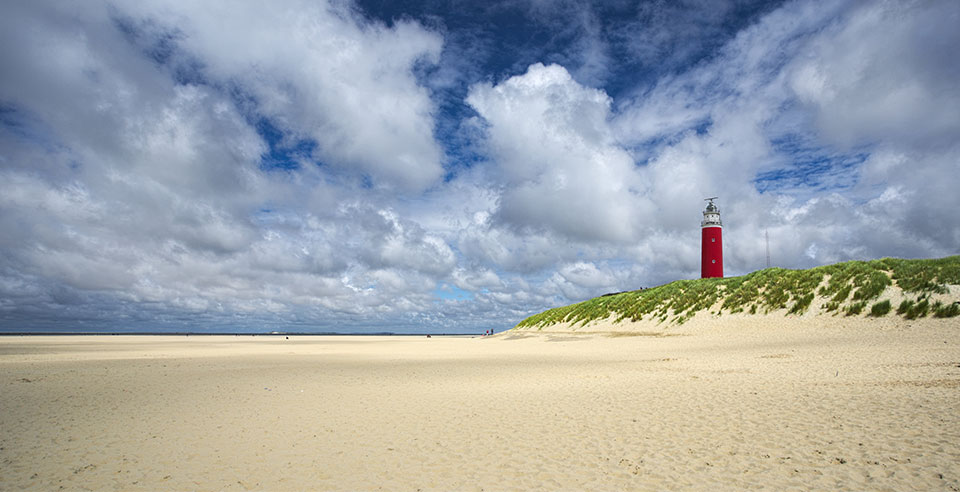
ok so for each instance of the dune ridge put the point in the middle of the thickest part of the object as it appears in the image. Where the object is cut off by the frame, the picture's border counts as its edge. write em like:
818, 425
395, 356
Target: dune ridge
878, 289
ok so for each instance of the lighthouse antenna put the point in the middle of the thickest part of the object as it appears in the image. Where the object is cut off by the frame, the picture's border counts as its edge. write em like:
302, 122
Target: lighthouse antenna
766, 234
711, 199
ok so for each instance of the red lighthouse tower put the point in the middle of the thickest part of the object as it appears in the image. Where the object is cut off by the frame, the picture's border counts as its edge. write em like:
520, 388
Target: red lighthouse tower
711, 249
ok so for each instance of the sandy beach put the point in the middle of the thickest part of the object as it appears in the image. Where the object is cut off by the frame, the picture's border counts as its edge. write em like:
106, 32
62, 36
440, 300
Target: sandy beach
848, 405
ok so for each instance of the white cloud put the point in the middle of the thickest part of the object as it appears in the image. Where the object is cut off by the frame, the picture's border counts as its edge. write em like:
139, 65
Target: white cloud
476, 280
118, 179
561, 170
886, 76
585, 274
323, 73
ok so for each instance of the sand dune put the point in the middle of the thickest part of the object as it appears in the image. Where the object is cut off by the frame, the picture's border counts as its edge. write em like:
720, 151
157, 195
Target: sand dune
727, 407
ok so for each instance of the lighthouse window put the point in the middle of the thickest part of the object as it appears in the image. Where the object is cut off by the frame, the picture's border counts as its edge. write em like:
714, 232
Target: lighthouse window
713, 261
713, 240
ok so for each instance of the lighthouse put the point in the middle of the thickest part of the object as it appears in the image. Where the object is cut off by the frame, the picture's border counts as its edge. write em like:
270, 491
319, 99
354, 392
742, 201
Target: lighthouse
711, 245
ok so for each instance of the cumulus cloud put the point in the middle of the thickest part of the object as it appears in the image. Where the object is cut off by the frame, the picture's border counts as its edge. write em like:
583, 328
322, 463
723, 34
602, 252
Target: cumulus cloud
561, 170
321, 72
132, 155
881, 82
885, 76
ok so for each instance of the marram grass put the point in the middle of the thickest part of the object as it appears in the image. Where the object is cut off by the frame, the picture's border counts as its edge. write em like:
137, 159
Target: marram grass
847, 288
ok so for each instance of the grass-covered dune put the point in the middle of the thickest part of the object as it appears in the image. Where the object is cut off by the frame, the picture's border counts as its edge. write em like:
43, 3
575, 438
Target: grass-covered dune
888, 287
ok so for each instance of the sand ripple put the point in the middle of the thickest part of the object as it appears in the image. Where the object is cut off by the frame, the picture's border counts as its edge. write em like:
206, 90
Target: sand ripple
779, 410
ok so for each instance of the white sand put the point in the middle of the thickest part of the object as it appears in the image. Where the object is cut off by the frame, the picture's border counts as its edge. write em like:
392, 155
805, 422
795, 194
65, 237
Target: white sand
848, 405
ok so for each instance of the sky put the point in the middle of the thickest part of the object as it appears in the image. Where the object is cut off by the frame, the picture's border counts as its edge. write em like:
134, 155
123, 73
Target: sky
453, 166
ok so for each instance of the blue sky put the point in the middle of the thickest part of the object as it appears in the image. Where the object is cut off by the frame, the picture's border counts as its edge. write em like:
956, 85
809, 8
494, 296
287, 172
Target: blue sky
448, 166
